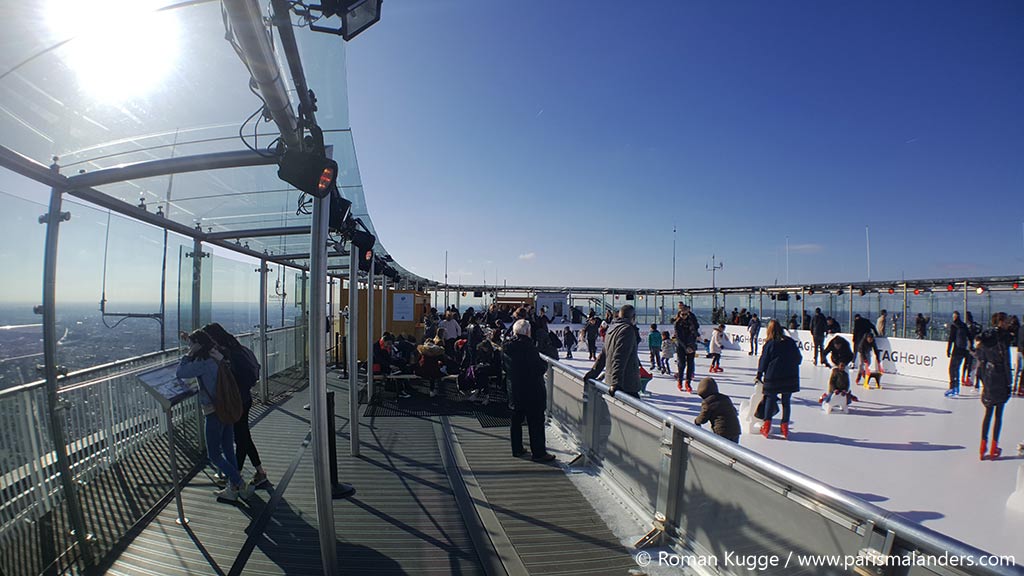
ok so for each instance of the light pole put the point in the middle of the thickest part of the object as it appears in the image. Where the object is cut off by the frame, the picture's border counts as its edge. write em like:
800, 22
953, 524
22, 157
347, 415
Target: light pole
713, 268
673, 256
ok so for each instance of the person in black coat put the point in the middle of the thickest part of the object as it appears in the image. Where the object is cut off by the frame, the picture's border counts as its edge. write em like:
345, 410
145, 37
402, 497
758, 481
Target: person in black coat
839, 351
819, 325
592, 330
719, 410
993, 354
958, 346
862, 326
779, 369
527, 394
687, 331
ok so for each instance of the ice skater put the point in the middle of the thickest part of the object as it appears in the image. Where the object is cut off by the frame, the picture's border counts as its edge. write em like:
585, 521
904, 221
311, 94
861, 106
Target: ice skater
719, 410
654, 347
780, 367
957, 345
866, 347
993, 355
754, 329
668, 352
569, 341
715, 348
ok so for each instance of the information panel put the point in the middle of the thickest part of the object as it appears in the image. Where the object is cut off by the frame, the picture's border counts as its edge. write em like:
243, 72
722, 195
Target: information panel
164, 384
403, 308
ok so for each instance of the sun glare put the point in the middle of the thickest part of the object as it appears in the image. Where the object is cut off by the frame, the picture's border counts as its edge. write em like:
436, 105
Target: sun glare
120, 49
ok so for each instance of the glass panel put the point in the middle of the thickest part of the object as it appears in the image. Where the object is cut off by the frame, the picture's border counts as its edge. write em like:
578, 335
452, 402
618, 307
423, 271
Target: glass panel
22, 241
567, 403
627, 446
723, 511
235, 293
185, 277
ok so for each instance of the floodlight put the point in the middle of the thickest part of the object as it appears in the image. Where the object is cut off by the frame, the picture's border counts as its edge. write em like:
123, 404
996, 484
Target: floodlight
949, 287
356, 16
311, 172
917, 291
892, 291
340, 209
980, 290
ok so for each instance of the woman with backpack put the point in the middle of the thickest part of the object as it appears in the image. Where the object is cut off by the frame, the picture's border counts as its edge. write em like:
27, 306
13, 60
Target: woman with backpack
246, 371
204, 363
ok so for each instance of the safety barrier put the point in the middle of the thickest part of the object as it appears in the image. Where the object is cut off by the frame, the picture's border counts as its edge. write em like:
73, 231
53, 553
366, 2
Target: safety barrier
710, 498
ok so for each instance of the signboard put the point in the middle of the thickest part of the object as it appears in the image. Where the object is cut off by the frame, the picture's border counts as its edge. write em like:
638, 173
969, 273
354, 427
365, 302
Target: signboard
402, 308
164, 384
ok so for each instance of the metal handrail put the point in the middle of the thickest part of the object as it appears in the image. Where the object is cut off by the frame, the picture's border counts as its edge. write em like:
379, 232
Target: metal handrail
829, 496
86, 372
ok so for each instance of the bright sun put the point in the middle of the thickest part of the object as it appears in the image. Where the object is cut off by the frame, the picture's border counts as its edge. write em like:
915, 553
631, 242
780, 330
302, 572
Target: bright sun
121, 49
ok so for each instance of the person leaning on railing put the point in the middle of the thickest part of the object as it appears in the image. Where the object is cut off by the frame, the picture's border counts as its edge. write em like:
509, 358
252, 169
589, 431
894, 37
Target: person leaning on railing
619, 357
246, 370
202, 362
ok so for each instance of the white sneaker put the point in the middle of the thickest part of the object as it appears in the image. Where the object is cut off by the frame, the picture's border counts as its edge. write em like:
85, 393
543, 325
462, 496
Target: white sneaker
245, 490
228, 494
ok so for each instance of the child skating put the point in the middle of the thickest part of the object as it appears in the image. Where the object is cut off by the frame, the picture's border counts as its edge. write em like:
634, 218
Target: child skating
715, 345
668, 352
654, 346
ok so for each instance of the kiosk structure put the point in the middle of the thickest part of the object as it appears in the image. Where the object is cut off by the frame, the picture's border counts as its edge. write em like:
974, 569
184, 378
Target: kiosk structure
169, 390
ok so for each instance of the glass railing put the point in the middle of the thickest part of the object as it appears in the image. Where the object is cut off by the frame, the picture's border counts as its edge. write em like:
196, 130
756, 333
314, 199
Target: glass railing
706, 495
118, 450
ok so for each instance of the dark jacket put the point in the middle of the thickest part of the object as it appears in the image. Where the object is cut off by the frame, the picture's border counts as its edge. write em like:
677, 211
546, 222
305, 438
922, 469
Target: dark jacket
754, 327
818, 326
381, 359
717, 409
867, 347
525, 375
993, 354
862, 326
622, 362
838, 351
805, 323
245, 376
959, 337
687, 331
592, 329
834, 328
779, 367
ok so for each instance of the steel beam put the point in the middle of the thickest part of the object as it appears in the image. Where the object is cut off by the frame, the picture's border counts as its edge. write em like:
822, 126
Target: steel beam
369, 332
352, 340
176, 165
254, 41
258, 233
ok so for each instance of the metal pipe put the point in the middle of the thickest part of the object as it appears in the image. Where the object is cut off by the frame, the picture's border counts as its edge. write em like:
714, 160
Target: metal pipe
197, 281
318, 386
286, 32
904, 334
254, 42
264, 270
383, 304
52, 219
369, 331
352, 339
175, 165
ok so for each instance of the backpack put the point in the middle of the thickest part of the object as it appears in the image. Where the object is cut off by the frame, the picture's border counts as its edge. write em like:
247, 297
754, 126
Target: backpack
467, 378
227, 403
254, 364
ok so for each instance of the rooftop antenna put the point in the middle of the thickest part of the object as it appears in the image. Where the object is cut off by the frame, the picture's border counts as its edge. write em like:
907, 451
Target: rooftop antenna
867, 239
673, 256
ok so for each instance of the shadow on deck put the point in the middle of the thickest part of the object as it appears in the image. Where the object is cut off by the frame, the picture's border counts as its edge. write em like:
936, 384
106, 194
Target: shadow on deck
436, 495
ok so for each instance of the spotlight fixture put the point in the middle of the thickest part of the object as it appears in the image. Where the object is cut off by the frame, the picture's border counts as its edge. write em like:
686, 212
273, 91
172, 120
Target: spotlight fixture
892, 291
356, 16
917, 291
860, 292
810, 291
309, 169
980, 290
949, 287
1016, 285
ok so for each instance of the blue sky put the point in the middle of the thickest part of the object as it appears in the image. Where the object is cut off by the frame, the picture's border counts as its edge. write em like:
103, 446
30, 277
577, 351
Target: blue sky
560, 145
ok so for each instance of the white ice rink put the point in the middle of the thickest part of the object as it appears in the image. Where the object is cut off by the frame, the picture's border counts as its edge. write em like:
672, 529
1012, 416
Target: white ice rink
905, 448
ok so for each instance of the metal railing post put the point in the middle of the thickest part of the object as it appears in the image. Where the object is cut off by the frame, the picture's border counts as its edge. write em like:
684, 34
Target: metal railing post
52, 219
352, 337
108, 423
317, 349
670, 479
262, 334
369, 332
549, 381
588, 434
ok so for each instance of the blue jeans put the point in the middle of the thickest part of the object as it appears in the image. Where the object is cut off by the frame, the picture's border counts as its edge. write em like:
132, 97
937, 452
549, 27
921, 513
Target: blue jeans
220, 447
771, 400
